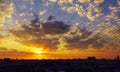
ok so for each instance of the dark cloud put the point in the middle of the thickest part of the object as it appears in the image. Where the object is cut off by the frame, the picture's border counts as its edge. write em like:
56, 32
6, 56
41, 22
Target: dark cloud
75, 43
14, 51
3, 49
83, 41
6, 50
112, 36
55, 27
35, 35
1, 36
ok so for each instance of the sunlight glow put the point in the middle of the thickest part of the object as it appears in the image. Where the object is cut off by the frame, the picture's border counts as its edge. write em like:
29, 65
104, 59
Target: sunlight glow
38, 51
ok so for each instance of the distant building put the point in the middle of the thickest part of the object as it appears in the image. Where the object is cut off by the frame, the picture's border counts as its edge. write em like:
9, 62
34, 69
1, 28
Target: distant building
6, 59
118, 58
91, 58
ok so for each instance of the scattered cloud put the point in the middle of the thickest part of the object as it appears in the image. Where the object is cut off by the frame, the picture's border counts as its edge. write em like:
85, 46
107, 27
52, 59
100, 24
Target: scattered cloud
53, 35
98, 1
52, 0
92, 10
32, 2
118, 2
71, 10
6, 10
112, 34
102, 29
3, 49
21, 14
84, 1
41, 12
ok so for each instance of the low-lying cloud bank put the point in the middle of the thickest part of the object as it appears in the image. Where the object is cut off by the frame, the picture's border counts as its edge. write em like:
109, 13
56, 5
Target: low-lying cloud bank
54, 34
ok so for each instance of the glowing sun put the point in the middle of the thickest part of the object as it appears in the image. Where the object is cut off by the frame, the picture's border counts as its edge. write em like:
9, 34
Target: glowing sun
38, 51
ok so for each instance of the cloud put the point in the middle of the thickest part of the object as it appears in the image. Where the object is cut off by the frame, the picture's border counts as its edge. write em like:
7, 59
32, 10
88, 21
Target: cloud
92, 10
13, 51
7, 50
112, 34
70, 1
42, 34
51, 34
21, 14
118, 2
71, 9
1, 36
41, 12
84, 1
55, 27
84, 40
90, 16
61, 2
55, 35
52, 0
32, 2
6, 9
98, 1
3, 49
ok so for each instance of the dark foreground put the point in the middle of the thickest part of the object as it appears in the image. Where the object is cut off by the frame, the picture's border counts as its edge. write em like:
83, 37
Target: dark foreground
74, 65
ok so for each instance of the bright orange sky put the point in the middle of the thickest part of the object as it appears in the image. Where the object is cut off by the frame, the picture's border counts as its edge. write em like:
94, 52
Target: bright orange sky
57, 56
53, 29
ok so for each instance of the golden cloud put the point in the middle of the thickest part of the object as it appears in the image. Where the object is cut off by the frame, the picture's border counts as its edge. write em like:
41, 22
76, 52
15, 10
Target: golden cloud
71, 9
41, 12
52, 0
98, 1
90, 16
70, 1
6, 10
84, 1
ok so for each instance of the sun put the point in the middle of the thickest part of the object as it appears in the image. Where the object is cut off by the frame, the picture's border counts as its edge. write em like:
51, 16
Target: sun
38, 51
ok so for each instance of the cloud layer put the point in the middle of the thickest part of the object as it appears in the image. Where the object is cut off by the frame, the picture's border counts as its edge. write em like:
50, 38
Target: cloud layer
98, 25
55, 35
6, 10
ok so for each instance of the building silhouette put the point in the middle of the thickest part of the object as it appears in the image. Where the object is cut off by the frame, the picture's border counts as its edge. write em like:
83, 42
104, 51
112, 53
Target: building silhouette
91, 58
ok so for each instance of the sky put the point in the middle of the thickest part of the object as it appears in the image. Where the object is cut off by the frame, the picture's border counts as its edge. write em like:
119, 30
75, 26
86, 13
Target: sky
59, 29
